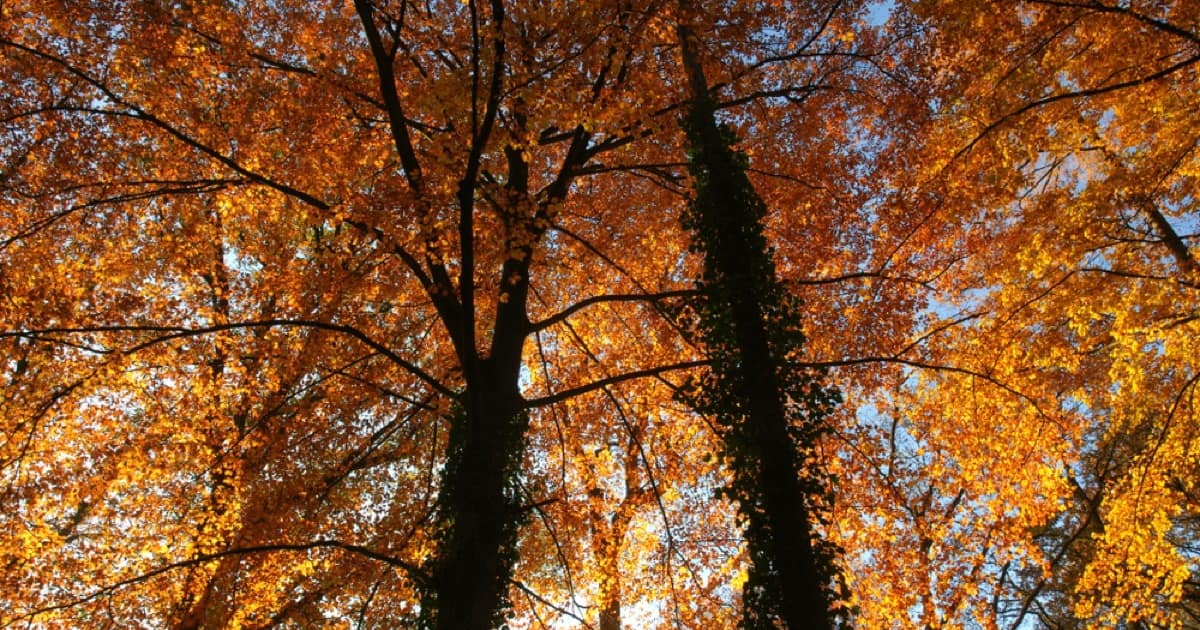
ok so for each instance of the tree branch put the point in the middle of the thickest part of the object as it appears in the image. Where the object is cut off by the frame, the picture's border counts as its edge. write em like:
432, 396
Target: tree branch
612, 380
141, 114
412, 571
1100, 7
601, 299
391, 99
169, 333
1105, 89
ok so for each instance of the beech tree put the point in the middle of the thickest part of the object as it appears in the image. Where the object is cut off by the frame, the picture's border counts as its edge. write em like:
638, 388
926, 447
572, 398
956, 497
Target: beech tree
1048, 463
383, 313
772, 413
353, 188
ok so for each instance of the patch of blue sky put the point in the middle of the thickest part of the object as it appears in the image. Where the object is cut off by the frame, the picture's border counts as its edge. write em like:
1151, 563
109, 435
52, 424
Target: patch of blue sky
878, 13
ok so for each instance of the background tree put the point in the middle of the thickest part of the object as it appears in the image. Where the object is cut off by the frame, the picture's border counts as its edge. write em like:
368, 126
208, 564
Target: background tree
1061, 173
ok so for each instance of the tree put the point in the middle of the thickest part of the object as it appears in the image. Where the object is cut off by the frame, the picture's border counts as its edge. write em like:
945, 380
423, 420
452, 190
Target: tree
366, 313
1059, 174
446, 203
771, 413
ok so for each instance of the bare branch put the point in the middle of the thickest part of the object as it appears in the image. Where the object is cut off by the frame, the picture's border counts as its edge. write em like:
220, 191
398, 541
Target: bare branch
412, 571
601, 299
168, 333
562, 611
612, 380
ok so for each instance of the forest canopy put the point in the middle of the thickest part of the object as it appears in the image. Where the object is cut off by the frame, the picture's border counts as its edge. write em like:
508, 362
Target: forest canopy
680, 314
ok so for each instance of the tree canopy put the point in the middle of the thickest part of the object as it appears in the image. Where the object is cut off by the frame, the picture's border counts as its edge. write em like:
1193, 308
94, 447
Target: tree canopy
463, 313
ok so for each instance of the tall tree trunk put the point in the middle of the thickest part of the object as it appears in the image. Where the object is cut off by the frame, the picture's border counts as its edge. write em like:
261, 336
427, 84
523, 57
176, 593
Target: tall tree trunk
480, 502
749, 326
479, 499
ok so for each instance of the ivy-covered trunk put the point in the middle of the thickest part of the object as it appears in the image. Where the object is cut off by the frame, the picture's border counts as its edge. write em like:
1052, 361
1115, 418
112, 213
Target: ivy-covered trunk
770, 411
479, 502
480, 505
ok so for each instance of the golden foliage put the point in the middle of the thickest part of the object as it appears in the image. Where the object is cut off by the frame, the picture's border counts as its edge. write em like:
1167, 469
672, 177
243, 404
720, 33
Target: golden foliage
231, 358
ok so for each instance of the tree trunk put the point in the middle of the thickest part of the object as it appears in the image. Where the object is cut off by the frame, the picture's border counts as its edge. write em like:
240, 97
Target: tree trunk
610, 581
742, 290
481, 506
479, 499
789, 527
607, 543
